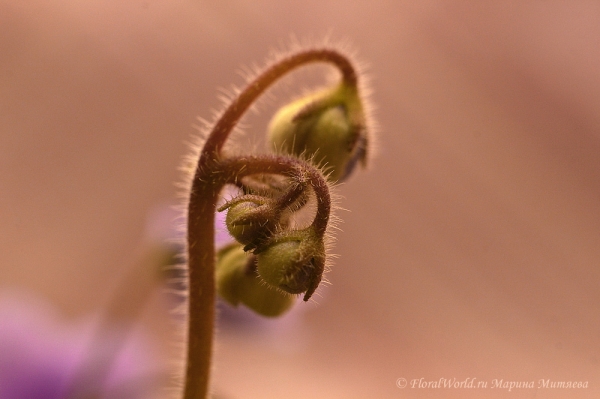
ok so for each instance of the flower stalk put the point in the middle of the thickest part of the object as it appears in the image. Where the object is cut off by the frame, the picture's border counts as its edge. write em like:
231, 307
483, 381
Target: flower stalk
213, 171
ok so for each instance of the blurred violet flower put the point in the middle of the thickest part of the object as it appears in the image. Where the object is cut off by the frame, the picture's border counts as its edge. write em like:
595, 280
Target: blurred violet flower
41, 357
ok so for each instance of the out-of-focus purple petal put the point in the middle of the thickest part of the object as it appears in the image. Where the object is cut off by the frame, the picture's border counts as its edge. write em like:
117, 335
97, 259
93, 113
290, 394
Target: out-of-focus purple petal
222, 236
41, 355
35, 362
165, 224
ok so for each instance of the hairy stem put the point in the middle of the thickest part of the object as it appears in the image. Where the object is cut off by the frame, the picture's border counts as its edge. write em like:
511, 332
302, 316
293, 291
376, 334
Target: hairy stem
201, 306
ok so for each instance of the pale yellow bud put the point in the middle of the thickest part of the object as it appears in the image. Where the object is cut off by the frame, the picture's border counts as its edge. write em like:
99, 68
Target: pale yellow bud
327, 126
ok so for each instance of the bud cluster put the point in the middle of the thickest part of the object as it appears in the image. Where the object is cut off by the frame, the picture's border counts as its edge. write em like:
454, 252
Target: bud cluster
325, 132
288, 260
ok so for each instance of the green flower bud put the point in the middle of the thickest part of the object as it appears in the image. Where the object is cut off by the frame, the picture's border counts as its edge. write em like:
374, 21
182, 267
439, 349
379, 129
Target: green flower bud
238, 282
250, 219
328, 125
293, 262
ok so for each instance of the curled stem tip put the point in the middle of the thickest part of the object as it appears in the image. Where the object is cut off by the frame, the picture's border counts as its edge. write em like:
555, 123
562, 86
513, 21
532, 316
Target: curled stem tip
305, 255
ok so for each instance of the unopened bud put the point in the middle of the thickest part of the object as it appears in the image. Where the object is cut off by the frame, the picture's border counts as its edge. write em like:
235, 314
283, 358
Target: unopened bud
293, 263
328, 125
238, 282
249, 220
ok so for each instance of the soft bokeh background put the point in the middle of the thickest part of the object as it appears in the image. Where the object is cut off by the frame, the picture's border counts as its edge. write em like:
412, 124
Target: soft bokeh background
472, 246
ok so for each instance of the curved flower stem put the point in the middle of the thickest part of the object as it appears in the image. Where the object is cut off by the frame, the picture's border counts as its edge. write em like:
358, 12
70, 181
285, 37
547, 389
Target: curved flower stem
292, 167
212, 173
242, 102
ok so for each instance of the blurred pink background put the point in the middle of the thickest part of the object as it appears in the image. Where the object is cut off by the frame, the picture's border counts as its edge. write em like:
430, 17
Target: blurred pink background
472, 245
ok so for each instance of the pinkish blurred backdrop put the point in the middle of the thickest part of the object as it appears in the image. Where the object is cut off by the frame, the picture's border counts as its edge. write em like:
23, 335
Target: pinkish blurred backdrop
472, 245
